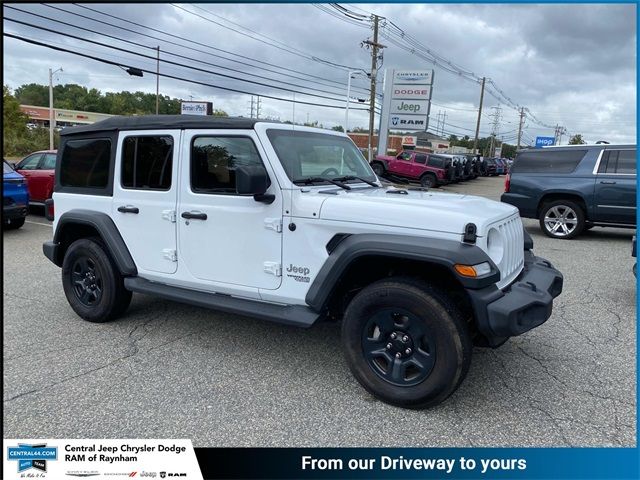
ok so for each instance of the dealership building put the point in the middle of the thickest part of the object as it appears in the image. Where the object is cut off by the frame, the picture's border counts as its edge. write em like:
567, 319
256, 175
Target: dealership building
39, 116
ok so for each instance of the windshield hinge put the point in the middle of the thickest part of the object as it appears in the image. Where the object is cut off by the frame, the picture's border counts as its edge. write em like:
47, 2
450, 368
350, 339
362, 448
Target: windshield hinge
274, 224
170, 254
169, 215
273, 268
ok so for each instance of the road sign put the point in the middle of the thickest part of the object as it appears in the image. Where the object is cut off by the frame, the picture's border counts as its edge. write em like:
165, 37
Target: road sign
196, 108
545, 141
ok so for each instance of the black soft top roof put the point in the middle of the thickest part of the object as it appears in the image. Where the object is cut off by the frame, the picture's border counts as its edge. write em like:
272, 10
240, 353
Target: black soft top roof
158, 122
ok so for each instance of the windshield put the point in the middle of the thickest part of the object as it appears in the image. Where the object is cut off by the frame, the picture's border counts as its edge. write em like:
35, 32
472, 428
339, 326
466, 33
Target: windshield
6, 168
307, 155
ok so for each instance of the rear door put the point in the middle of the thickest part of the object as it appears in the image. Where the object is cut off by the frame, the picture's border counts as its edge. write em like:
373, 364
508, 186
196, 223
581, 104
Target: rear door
145, 197
615, 189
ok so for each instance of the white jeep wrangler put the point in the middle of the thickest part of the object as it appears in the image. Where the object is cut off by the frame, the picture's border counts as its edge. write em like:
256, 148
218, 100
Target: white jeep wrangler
290, 224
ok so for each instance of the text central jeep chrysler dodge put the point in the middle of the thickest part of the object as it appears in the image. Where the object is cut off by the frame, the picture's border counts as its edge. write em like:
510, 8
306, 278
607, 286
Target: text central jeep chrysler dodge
290, 224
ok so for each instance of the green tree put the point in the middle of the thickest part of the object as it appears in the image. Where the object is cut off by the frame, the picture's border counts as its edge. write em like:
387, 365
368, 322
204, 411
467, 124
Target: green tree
14, 123
337, 128
576, 139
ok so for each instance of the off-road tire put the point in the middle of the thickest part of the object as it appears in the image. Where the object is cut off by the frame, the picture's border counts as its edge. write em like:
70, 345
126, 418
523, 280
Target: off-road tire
378, 168
92, 283
407, 300
428, 180
574, 222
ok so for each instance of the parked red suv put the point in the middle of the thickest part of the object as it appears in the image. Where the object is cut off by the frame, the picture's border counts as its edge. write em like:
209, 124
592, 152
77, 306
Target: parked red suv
429, 169
39, 169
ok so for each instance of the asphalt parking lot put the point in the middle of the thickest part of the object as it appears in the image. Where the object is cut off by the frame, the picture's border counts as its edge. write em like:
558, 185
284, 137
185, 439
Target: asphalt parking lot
167, 370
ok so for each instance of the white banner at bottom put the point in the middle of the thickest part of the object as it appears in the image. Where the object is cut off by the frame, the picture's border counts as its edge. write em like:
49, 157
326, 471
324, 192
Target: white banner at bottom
106, 459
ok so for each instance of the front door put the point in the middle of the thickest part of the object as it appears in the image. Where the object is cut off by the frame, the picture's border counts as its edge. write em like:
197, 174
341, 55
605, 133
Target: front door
225, 237
28, 168
615, 188
145, 197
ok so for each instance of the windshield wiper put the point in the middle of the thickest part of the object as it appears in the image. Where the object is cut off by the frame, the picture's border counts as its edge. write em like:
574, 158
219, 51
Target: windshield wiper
346, 178
312, 180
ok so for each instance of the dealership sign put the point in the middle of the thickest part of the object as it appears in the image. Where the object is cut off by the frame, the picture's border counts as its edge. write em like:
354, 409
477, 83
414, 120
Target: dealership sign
409, 141
196, 108
412, 77
409, 107
418, 92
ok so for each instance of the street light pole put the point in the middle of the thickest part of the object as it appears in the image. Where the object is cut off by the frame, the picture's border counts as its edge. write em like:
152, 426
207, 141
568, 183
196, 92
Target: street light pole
51, 116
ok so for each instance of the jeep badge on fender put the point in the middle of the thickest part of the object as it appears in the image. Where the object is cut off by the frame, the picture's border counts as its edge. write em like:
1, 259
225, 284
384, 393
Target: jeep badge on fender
192, 209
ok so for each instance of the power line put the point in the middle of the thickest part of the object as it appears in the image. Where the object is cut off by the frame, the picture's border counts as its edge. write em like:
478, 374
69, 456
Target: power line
121, 64
164, 51
194, 42
165, 61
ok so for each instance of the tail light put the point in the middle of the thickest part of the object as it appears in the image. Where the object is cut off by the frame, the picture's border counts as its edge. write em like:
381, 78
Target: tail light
48, 209
507, 183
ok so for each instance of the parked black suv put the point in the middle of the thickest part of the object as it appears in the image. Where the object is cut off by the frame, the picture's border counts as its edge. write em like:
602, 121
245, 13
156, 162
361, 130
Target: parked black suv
572, 188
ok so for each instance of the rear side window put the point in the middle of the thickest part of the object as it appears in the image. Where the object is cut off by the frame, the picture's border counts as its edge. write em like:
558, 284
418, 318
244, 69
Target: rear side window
618, 161
548, 161
437, 162
146, 162
420, 159
85, 163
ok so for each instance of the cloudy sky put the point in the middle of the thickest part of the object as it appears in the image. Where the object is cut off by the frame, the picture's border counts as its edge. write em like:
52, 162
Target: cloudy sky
572, 65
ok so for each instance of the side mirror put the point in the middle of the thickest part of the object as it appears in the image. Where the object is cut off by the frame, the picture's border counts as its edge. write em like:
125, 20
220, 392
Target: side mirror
253, 180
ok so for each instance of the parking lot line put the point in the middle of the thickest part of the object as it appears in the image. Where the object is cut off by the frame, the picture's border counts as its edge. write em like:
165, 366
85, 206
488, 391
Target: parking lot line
38, 223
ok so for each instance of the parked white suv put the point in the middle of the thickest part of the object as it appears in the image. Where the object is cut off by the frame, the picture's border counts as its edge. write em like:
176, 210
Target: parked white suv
290, 224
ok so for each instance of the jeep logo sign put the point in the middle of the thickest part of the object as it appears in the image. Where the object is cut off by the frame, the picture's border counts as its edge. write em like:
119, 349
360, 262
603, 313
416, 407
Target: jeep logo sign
408, 106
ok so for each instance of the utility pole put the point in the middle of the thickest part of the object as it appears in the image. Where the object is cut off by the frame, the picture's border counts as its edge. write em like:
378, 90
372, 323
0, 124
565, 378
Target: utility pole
475, 141
494, 129
258, 107
444, 120
520, 127
251, 113
374, 74
158, 81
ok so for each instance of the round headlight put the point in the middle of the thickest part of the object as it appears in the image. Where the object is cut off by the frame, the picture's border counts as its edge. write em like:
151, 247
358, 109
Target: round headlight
495, 245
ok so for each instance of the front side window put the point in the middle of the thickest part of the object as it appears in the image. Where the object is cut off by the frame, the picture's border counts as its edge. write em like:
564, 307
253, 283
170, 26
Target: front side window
215, 159
31, 162
618, 161
86, 163
306, 155
147, 162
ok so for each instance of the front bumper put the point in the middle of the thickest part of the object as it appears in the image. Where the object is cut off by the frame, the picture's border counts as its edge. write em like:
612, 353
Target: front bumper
525, 304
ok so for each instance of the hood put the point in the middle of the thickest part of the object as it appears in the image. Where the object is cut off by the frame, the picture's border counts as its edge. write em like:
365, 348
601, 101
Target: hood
12, 175
436, 211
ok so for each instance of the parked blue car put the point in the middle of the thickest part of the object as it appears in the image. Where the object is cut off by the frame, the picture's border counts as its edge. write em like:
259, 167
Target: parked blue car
15, 197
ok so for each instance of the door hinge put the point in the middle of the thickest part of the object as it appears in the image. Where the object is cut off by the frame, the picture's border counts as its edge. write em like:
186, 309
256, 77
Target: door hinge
169, 215
274, 224
273, 268
170, 254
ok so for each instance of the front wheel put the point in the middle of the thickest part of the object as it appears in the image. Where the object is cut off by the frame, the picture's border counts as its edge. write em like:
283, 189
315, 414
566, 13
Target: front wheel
562, 219
92, 284
406, 343
14, 224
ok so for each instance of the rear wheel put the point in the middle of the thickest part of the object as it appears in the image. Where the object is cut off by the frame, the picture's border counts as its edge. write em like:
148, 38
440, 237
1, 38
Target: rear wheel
428, 180
406, 343
562, 219
14, 224
92, 283
378, 168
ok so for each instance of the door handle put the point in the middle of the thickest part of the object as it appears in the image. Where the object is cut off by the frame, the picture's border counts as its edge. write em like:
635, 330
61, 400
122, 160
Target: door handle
128, 209
604, 182
194, 215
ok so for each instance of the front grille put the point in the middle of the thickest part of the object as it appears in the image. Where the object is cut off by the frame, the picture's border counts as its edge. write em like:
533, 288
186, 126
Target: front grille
513, 256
